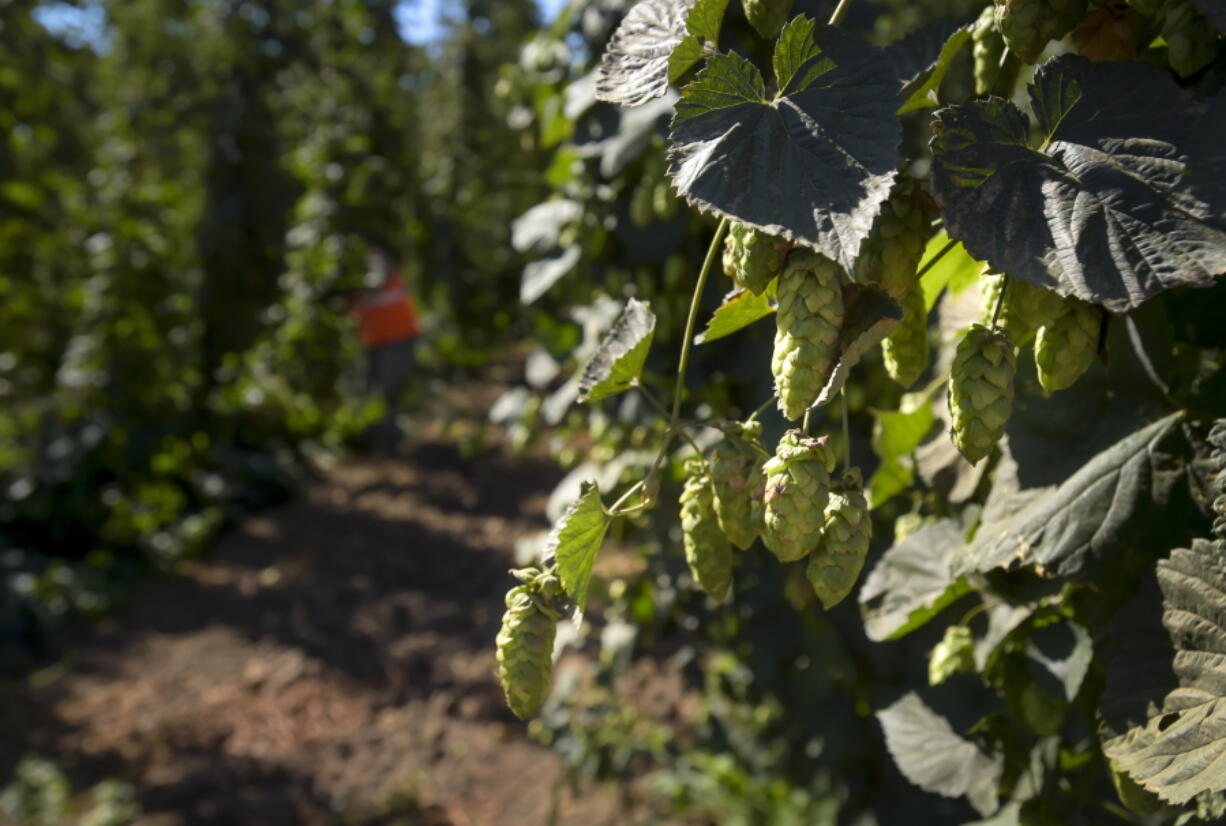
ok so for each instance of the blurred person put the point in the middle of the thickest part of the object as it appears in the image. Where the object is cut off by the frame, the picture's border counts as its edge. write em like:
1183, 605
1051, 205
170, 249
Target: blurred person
388, 327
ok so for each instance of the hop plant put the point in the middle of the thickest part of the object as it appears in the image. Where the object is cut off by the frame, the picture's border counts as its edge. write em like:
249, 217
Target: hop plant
1217, 438
905, 349
767, 16
954, 654
1109, 32
890, 256
981, 390
736, 473
1026, 307
706, 548
987, 49
809, 320
835, 564
1065, 346
1191, 40
797, 492
752, 258
525, 642
1028, 25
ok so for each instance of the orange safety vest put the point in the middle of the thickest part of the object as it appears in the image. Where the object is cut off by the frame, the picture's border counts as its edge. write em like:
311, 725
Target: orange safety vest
387, 315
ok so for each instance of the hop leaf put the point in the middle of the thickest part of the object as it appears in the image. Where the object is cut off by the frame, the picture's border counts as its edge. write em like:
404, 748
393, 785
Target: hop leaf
1028, 25
954, 654
809, 320
981, 390
525, 644
739, 482
616, 365
767, 16
752, 259
905, 350
1191, 40
1217, 438
1065, 346
706, 549
835, 565
797, 492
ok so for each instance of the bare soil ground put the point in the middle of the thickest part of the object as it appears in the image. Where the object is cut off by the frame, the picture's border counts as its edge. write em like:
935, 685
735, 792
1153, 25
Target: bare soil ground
330, 662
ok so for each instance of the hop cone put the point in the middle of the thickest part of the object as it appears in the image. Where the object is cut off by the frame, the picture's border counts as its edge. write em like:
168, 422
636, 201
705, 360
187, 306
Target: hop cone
954, 654
525, 648
1191, 40
1217, 438
809, 320
1026, 306
987, 48
905, 349
767, 16
891, 254
797, 491
1065, 346
1028, 25
981, 390
752, 258
836, 562
736, 472
706, 548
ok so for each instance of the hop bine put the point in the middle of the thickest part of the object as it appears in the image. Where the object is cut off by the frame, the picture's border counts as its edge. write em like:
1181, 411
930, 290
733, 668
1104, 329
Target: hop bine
835, 564
981, 390
1066, 345
707, 550
809, 320
753, 259
739, 483
797, 492
525, 642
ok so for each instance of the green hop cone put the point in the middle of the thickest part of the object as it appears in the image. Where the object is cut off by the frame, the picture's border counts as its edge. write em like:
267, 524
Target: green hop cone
525, 643
835, 564
1028, 25
809, 319
987, 49
736, 472
1065, 346
905, 349
752, 259
1191, 40
706, 548
1217, 438
981, 390
797, 492
890, 256
954, 654
767, 16
1026, 307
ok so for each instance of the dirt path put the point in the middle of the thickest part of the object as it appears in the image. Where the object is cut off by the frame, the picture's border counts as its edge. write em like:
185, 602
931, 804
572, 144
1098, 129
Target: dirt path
330, 662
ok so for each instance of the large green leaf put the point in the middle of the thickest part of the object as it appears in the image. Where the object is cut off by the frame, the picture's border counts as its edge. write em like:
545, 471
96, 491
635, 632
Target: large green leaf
657, 41
619, 358
812, 163
1062, 529
1179, 750
575, 540
1105, 209
931, 755
739, 309
912, 582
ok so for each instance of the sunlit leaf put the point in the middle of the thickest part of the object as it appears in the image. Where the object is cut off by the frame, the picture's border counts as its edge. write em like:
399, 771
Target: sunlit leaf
575, 541
739, 309
912, 582
618, 361
920, 97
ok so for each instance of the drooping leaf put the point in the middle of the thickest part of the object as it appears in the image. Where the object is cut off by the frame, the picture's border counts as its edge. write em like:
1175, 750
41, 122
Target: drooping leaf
869, 316
739, 309
812, 165
931, 755
912, 582
575, 541
1107, 208
1062, 530
919, 97
619, 359
657, 41
1180, 749
542, 274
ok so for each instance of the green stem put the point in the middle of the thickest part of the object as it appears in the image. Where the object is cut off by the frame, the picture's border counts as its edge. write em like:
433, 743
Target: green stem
840, 11
932, 262
651, 398
804, 423
633, 489
846, 433
1000, 300
761, 408
687, 342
